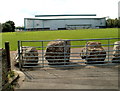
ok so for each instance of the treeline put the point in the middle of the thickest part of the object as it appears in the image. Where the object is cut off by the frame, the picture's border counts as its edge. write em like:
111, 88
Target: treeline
8, 26
113, 23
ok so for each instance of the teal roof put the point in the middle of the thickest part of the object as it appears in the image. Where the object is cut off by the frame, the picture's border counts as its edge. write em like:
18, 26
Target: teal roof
65, 15
63, 18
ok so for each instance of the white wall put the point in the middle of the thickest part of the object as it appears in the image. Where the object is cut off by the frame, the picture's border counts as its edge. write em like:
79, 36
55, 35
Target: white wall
38, 23
33, 23
55, 24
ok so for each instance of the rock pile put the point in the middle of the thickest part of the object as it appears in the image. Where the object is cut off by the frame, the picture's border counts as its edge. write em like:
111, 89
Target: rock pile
92, 52
58, 52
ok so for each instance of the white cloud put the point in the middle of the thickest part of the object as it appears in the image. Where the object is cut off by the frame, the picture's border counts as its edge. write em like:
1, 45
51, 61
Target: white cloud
17, 10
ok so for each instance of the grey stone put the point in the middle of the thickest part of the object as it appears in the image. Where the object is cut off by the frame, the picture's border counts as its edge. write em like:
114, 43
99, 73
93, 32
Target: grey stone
58, 52
29, 55
93, 51
116, 52
116, 49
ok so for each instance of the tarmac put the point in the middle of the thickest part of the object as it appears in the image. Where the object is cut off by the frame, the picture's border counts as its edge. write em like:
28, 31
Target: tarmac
83, 77
88, 77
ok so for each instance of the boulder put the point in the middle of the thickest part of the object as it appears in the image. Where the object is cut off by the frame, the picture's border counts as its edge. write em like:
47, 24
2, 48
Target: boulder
116, 48
92, 52
58, 52
116, 60
29, 55
116, 52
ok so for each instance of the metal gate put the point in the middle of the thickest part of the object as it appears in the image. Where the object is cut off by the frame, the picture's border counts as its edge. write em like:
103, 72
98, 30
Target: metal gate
36, 53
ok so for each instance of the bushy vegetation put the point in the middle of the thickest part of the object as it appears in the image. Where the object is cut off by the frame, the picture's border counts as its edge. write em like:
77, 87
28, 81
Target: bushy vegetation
8, 26
113, 23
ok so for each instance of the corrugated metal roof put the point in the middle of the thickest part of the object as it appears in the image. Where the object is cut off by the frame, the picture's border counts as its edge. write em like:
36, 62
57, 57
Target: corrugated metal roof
65, 15
64, 18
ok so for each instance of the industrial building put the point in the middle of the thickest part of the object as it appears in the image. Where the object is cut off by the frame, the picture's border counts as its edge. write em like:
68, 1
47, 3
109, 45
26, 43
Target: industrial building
83, 21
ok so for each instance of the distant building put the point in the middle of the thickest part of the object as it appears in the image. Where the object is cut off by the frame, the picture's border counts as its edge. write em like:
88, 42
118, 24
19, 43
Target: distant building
83, 22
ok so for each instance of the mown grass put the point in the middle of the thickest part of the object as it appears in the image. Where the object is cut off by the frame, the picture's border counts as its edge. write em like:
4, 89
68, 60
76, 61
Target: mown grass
13, 37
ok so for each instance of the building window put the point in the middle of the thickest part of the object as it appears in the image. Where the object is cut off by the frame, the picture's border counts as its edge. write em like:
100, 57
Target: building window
37, 24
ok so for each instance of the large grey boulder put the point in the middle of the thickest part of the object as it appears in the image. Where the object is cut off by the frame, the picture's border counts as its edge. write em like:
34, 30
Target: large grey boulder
92, 52
29, 56
116, 52
58, 52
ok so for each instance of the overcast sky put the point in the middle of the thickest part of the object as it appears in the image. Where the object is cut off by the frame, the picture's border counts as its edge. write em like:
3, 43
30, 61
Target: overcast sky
17, 10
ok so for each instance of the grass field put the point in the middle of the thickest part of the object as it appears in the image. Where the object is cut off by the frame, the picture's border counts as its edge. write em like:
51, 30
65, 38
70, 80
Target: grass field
13, 37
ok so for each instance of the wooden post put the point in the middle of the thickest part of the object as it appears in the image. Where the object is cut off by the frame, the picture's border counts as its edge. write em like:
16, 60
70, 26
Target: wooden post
8, 55
4, 69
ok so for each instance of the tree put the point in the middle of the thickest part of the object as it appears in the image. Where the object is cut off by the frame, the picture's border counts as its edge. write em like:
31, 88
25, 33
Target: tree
12, 25
8, 26
0, 27
118, 23
109, 23
113, 23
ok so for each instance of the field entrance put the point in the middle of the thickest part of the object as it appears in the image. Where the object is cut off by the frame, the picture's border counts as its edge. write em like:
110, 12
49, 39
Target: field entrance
66, 53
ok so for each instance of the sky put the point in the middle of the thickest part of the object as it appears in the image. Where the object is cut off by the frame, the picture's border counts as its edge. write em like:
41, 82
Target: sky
17, 10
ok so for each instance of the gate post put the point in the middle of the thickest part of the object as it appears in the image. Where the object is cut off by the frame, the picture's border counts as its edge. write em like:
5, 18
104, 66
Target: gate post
19, 56
8, 55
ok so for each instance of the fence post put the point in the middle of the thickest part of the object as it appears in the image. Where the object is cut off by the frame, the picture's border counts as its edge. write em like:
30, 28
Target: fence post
7, 48
42, 54
1, 50
19, 56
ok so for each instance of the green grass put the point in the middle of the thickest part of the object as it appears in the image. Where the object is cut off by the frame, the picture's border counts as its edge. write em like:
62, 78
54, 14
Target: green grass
13, 37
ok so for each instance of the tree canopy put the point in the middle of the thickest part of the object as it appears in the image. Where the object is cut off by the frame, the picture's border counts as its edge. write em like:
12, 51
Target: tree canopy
8, 26
0, 27
113, 23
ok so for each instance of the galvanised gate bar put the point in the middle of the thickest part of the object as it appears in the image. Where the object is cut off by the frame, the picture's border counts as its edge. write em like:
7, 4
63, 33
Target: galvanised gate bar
68, 52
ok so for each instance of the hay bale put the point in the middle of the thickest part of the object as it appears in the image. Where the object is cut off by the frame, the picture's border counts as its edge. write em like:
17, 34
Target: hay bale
93, 51
58, 52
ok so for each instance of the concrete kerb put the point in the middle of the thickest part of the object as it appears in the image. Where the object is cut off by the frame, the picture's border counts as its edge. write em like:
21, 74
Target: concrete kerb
20, 79
13, 79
